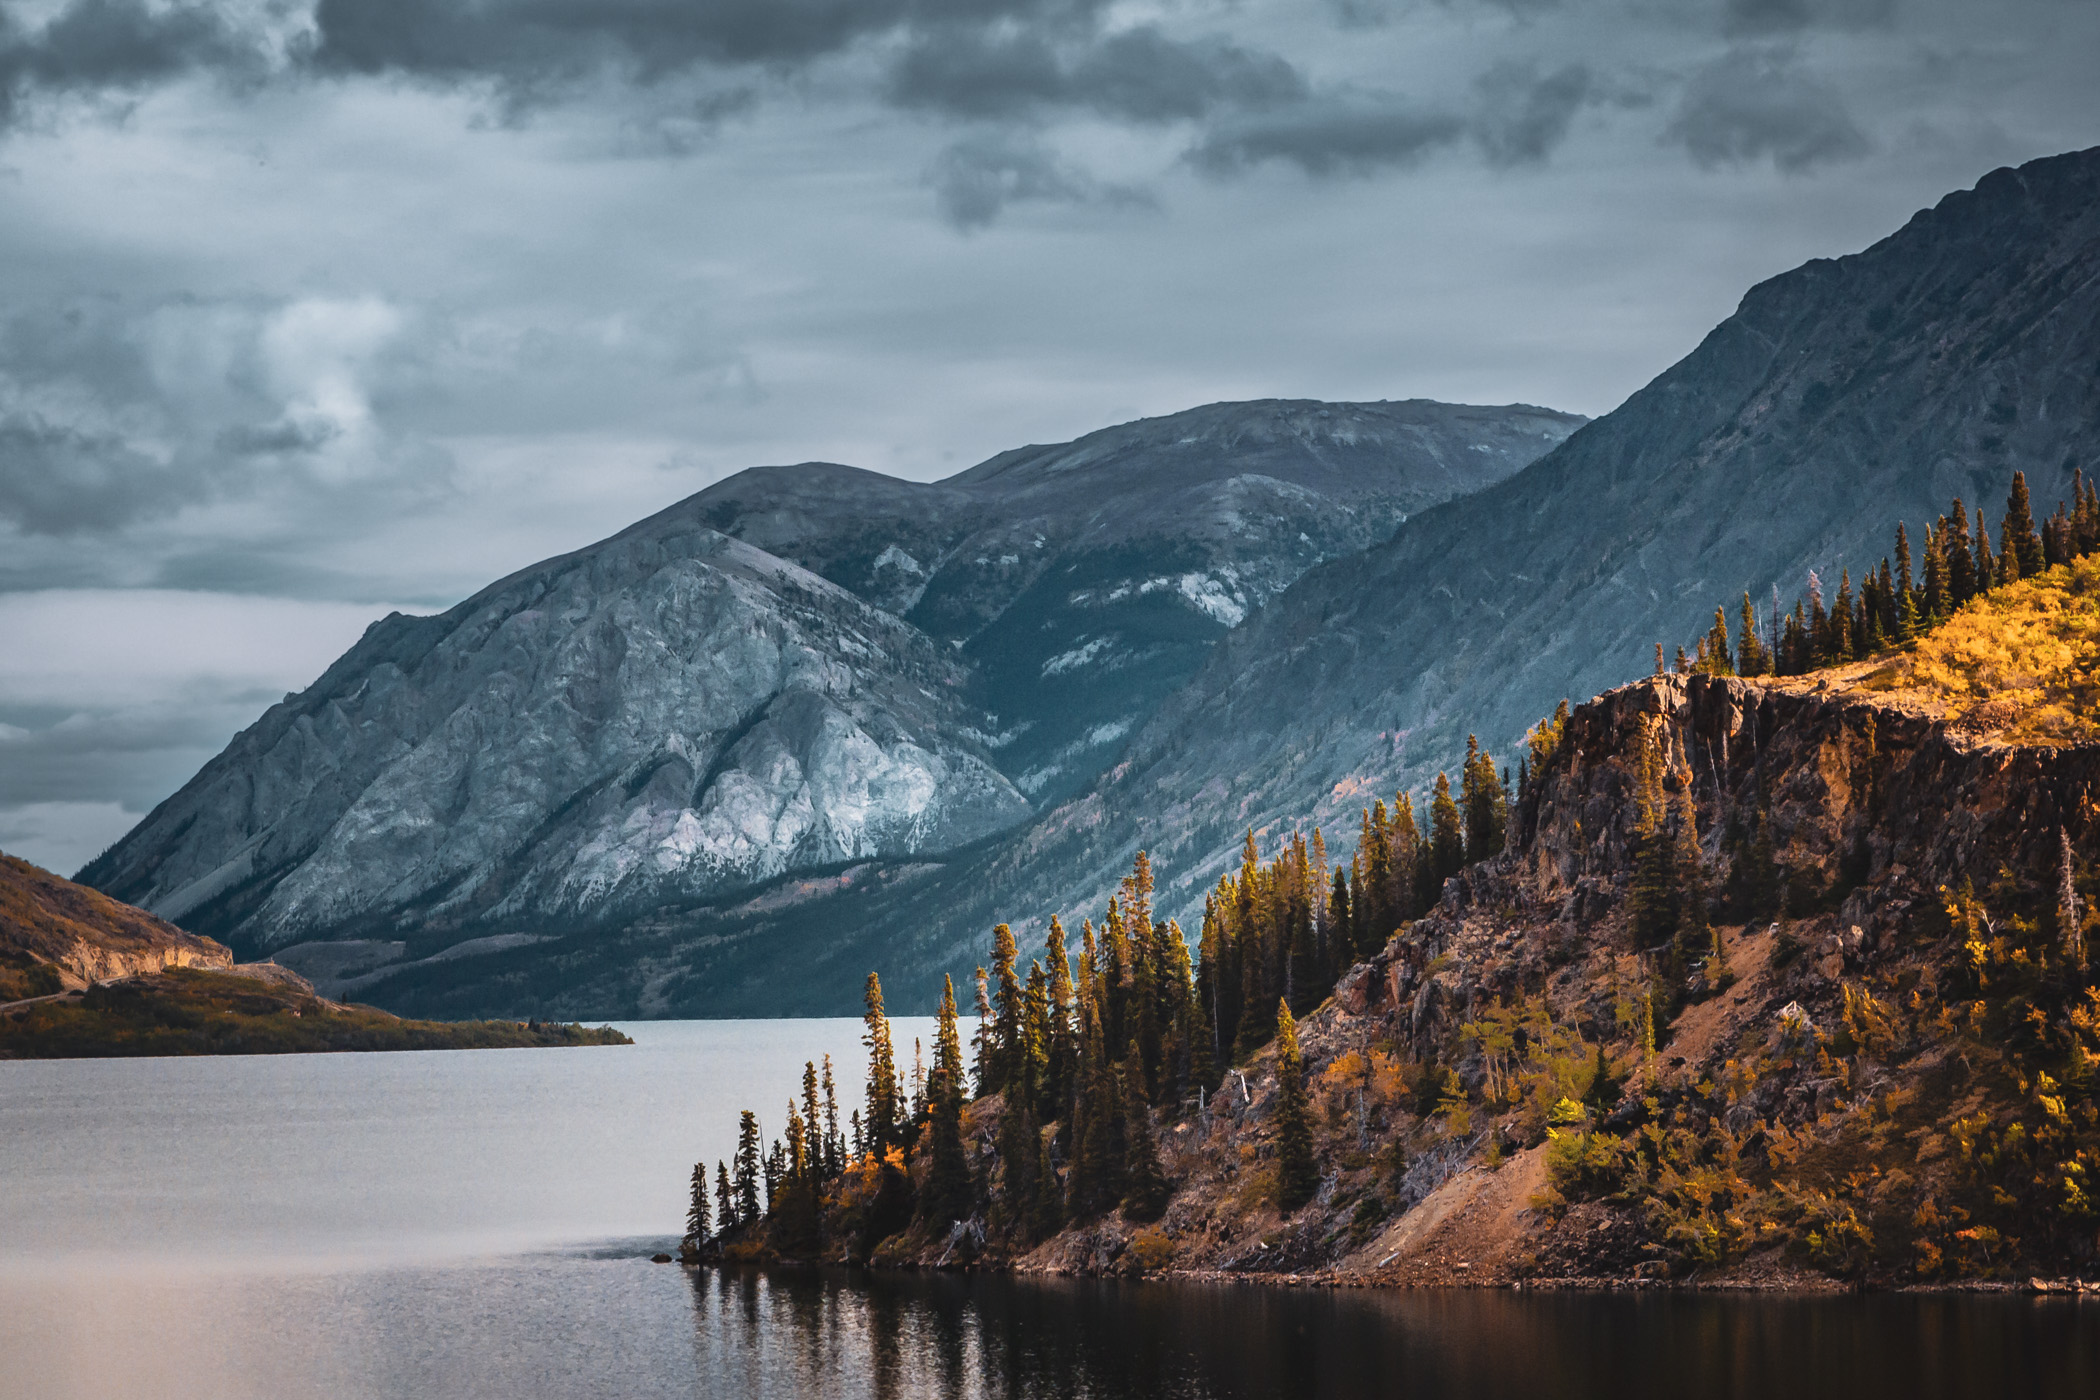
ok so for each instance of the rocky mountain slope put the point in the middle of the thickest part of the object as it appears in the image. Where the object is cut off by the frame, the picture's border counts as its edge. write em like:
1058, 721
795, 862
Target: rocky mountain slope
1777, 982
1842, 394
801, 670
1082, 582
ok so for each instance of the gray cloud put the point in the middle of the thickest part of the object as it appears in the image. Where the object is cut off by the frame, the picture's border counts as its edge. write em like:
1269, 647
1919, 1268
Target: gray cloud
92, 46
59, 480
1138, 75
1524, 114
976, 178
1788, 16
536, 42
1342, 134
1756, 104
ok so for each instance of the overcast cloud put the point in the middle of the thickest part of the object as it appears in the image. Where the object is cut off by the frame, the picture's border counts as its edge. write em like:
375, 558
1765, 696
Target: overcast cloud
312, 310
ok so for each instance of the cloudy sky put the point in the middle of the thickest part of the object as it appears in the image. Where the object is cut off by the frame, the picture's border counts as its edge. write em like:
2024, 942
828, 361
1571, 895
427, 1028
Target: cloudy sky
311, 311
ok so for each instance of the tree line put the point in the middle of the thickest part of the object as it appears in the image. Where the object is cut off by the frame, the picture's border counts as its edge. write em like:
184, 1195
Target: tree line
1892, 605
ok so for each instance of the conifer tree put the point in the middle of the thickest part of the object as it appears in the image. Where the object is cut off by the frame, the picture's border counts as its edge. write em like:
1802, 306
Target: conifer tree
1297, 1173
2017, 540
1718, 660
1694, 925
1145, 1190
696, 1213
948, 1190
795, 1207
1485, 804
1003, 1065
1986, 562
834, 1144
884, 1125
1654, 878
748, 1167
1447, 840
1750, 655
1061, 1051
1966, 574
725, 1199
1904, 583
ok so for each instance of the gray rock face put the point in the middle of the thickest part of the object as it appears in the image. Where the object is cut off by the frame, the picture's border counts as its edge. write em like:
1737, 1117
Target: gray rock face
1084, 581
680, 713
658, 717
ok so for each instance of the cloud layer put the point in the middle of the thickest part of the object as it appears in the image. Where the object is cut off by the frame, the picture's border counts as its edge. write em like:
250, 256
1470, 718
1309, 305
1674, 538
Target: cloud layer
311, 309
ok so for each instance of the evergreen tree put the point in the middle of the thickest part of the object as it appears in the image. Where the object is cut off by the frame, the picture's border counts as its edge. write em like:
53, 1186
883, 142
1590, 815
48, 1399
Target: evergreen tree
1654, 878
2017, 540
1297, 1173
834, 1144
796, 1214
1061, 1051
1008, 1010
1694, 924
748, 1167
1146, 1190
725, 1199
1486, 805
1962, 580
1447, 840
948, 1191
1904, 585
1716, 656
1986, 562
1750, 655
883, 1126
696, 1213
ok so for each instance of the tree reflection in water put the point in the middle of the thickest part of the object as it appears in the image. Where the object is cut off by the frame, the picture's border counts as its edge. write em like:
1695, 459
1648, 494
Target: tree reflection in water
819, 1334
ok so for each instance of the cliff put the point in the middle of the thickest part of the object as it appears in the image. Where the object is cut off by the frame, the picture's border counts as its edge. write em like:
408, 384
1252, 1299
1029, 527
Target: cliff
1875, 1064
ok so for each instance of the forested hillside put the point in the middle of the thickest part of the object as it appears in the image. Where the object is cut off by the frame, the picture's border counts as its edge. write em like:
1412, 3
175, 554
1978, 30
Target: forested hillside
1750, 977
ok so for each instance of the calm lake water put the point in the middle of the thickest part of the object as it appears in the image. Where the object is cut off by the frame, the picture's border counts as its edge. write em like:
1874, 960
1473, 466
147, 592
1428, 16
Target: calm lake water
475, 1224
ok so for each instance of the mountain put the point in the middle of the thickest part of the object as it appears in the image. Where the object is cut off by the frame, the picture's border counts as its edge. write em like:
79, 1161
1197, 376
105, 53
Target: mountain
683, 713
1083, 582
1839, 398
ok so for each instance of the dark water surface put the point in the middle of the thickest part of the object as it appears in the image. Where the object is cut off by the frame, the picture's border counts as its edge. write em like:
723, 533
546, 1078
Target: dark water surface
473, 1224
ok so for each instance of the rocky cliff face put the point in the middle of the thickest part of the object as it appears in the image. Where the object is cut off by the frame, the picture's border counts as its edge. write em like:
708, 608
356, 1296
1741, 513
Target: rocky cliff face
801, 670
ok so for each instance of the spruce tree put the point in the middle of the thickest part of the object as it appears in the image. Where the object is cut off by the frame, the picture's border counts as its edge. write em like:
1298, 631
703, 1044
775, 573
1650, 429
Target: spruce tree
1986, 562
725, 1199
1145, 1190
2017, 539
1297, 1173
1654, 882
1694, 924
1484, 802
883, 1126
696, 1213
748, 1167
948, 1190
1004, 1064
1447, 840
1061, 1052
1750, 655
834, 1144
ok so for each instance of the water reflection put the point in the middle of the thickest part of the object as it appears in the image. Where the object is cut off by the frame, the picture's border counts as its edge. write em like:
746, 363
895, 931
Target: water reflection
948, 1337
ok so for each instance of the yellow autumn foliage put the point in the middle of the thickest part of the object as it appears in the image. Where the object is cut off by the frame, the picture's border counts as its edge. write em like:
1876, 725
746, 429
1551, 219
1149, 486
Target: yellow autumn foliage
2028, 651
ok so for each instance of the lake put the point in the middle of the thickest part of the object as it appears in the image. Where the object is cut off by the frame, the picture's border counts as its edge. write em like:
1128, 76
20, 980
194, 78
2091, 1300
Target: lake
476, 1223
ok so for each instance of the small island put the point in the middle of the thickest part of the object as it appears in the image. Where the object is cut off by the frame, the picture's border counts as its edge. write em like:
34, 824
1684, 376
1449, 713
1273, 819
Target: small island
85, 976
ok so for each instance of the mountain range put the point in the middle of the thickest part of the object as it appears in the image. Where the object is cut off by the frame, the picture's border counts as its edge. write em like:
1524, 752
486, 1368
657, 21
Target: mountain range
816, 720
798, 671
